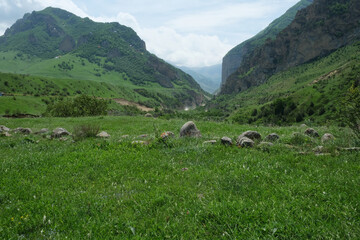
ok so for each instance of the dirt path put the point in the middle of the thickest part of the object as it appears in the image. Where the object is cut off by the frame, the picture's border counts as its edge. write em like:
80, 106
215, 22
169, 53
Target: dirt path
125, 102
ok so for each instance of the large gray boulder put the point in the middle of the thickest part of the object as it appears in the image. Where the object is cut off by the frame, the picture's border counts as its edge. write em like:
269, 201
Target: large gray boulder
60, 132
245, 142
253, 135
189, 130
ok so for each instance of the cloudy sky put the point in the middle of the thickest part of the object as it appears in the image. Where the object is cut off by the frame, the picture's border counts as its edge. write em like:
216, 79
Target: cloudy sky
191, 33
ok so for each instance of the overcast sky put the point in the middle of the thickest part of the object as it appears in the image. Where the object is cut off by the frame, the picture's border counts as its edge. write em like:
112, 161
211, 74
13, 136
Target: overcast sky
191, 33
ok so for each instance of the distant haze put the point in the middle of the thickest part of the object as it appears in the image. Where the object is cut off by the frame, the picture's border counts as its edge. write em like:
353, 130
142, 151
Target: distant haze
187, 33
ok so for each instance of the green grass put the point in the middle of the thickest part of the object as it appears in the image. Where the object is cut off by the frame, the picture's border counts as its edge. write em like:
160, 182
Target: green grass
106, 189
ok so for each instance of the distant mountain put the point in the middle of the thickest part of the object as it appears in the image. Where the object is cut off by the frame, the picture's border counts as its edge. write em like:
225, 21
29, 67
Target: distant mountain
56, 43
234, 57
316, 31
209, 78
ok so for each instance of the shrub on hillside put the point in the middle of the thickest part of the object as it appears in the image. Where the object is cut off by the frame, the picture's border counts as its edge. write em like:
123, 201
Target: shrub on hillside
351, 109
78, 107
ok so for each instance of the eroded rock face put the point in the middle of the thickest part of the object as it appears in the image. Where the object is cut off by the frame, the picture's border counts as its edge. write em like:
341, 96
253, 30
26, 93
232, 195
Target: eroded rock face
253, 135
190, 130
333, 26
60, 132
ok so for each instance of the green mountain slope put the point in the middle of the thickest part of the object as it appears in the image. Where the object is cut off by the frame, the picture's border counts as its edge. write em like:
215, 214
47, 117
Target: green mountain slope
55, 43
235, 56
311, 92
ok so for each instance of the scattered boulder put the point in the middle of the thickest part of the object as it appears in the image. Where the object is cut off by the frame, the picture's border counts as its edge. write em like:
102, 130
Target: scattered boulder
210, 142
140, 142
59, 132
253, 135
167, 135
4, 129
311, 132
125, 136
303, 125
189, 130
149, 115
318, 150
5, 134
226, 141
245, 142
272, 137
103, 134
23, 130
42, 131
327, 137
143, 136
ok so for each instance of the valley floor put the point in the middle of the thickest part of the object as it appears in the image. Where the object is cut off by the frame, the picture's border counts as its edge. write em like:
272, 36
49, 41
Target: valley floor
180, 188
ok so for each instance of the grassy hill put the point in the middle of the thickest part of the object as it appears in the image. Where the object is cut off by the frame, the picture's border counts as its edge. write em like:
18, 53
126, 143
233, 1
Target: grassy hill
57, 44
311, 92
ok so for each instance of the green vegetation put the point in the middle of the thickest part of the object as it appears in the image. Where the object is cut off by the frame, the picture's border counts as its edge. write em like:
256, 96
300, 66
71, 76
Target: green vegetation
80, 106
311, 93
108, 189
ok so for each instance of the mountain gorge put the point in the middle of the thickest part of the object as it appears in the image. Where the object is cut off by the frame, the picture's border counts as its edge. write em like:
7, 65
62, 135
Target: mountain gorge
315, 32
234, 58
57, 44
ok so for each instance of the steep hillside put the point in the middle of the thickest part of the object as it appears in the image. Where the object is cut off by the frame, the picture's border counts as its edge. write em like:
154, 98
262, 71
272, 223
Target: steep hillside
209, 78
233, 59
56, 43
311, 92
316, 31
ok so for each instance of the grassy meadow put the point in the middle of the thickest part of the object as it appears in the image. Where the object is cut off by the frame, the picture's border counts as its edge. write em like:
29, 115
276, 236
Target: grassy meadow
177, 189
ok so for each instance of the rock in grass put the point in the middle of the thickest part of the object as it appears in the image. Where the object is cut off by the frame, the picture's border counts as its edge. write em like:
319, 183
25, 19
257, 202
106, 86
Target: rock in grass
226, 141
272, 137
23, 130
303, 125
266, 144
4, 129
167, 135
311, 132
189, 130
210, 142
149, 115
59, 132
253, 135
103, 134
42, 131
327, 137
140, 143
5, 134
245, 142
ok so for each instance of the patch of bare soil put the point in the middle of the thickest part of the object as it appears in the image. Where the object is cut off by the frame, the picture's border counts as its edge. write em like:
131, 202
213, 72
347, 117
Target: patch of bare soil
125, 102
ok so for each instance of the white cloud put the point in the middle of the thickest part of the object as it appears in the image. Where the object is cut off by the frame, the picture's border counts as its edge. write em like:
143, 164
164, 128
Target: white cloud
123, 18
191, 50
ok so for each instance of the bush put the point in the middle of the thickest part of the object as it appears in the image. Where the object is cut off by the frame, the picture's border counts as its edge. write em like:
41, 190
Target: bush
78, 107
351, 110
85, 131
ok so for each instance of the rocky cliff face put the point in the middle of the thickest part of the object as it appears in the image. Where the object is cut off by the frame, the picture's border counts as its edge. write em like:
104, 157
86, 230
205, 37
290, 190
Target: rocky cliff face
316, 31
234, 57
